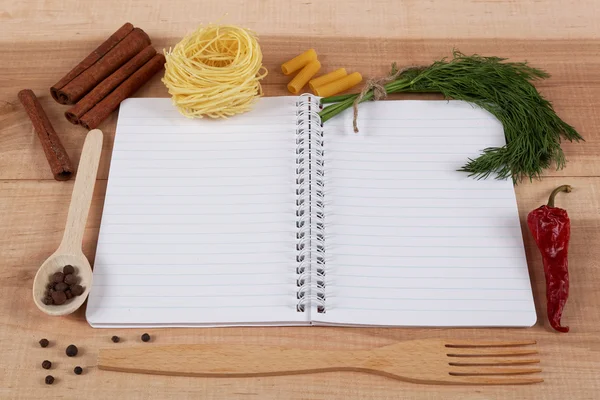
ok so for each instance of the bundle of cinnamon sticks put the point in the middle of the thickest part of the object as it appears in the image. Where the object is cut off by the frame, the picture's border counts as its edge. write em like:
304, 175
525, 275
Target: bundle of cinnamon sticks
95, 87
107, 76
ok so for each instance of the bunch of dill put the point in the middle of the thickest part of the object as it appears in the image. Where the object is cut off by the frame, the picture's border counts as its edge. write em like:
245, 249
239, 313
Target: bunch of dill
532, 129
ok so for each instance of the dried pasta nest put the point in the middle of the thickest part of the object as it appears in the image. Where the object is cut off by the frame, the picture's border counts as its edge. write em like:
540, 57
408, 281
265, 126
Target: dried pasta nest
215, 72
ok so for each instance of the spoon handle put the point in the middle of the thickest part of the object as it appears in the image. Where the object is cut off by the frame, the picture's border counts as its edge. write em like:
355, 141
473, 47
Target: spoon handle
81, 198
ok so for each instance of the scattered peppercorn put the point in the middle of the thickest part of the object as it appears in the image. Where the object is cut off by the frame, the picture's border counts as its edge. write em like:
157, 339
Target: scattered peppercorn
70, 279
78, 370
61, 287
44, 342
115, 339
46, 364
77, 290
58, 277
145, 337
49, 380
59, 298
68, 269
68, 294
71, 350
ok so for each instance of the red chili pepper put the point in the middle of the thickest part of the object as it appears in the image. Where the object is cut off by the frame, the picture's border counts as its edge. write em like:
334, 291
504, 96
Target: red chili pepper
551, 229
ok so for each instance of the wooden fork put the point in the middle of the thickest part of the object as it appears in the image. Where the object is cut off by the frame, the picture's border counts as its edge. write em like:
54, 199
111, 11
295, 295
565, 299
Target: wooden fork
431, 361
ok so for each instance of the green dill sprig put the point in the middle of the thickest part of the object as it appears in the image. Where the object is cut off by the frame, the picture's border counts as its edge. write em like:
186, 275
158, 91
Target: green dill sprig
532, 128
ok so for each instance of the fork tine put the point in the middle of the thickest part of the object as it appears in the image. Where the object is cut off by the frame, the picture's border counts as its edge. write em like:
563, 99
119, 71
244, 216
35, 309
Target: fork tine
488, 380
474, 371
489, 351
477, 343
470, 361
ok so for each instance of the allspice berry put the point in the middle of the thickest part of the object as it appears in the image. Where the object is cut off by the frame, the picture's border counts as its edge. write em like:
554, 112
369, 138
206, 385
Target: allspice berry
58, 277
61, 287
47, 300
59, 298
77, 290
46, 364
49, 380
68, 269
68, 294
44, 342
71, 350
70, 279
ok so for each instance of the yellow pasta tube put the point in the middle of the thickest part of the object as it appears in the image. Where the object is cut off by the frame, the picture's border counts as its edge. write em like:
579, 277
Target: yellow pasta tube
339, 86
299, 62
296, 85
327, 78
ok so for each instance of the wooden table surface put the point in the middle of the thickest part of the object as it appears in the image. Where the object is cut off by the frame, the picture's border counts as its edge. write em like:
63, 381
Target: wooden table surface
41, 40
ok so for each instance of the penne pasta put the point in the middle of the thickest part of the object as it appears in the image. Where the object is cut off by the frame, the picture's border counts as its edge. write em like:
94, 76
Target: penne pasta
298, 62
300, 80
339, 86
327, 78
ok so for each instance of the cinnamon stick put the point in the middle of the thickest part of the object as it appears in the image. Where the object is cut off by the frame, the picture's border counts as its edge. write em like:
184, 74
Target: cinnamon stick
90, 60
100, 111
107, 85
59, 161
122, 52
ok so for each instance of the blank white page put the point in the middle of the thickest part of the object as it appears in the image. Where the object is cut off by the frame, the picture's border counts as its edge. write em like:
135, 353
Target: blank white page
411, 241
198, 226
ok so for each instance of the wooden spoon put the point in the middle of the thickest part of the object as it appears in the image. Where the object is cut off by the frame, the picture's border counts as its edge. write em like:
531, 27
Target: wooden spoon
69, 251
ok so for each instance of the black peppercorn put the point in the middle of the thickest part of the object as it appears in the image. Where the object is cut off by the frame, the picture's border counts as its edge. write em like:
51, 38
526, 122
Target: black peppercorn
145, 337
68, 269
59, 298
77, 290
46, 364
71, 350
61, 287
58, 277
44, 342
78, 370
49, 380
115, 339
70, 279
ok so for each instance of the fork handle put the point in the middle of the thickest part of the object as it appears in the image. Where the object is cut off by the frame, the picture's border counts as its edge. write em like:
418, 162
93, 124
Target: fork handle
226, 360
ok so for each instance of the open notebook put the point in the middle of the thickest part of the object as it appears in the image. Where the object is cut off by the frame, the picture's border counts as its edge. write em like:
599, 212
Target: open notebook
268, 218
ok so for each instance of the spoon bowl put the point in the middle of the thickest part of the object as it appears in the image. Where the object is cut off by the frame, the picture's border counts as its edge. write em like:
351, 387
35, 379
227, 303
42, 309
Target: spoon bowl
55, 263
69, 252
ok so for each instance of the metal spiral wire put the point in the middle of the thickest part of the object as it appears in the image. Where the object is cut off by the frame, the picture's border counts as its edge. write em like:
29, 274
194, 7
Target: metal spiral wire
310, 206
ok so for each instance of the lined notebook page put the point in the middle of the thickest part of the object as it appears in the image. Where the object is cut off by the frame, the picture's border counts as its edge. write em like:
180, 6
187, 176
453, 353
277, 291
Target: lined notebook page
199, 219
410, 241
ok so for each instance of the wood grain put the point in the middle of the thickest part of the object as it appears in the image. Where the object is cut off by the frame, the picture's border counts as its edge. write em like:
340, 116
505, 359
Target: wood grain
42, 39
414, 19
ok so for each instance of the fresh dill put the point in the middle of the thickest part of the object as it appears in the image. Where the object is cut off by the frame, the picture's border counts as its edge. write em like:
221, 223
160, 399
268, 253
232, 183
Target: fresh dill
532, 129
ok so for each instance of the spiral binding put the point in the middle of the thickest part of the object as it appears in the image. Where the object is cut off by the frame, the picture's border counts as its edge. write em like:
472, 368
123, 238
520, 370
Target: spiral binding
310, 206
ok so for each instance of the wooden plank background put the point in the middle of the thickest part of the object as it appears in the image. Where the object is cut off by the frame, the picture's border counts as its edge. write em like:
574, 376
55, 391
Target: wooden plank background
41, 40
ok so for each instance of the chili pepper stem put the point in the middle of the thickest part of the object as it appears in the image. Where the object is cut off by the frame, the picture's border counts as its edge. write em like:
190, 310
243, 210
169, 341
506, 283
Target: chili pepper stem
563, 188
